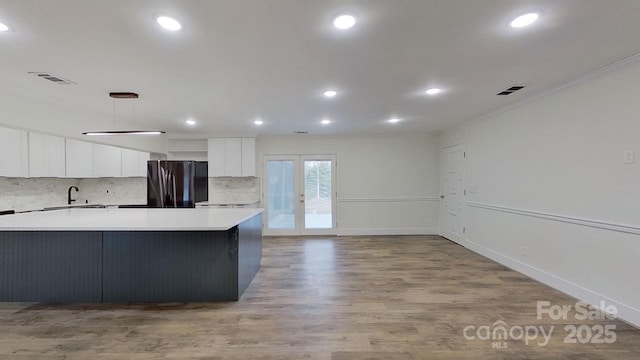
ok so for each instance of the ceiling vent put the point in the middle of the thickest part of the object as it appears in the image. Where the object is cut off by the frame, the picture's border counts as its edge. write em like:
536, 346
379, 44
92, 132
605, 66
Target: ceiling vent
300, 132
511, 90
53, 78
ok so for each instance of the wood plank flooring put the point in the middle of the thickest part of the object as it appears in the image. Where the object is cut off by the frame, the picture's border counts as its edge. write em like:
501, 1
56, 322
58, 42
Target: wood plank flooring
395, 297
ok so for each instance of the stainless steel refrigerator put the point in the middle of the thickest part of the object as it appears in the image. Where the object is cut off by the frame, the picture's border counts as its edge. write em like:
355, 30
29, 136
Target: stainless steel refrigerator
176, 184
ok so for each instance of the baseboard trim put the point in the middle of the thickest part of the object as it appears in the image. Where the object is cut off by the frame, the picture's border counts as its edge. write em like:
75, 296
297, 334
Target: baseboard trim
387, 231
626, 313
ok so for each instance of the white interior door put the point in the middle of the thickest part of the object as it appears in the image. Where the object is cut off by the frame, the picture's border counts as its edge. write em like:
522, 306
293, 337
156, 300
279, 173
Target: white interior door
299, 194
452, 183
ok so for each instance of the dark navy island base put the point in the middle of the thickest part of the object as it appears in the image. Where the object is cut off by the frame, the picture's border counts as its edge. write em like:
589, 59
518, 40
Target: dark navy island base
129, 266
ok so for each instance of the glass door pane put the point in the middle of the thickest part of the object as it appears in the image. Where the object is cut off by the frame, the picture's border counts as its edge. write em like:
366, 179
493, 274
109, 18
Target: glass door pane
281, 194
318, 204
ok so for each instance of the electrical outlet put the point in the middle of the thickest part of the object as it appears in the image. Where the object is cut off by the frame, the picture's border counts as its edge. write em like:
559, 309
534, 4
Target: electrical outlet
629, 157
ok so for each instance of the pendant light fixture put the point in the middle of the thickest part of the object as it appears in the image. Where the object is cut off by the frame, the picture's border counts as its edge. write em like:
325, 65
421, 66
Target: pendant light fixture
122, 95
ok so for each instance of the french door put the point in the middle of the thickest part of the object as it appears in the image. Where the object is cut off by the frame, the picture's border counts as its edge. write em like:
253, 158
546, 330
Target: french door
299, 194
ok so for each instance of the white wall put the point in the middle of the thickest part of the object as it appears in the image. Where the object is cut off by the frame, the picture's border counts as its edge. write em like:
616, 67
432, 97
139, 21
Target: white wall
553, 197
385, 184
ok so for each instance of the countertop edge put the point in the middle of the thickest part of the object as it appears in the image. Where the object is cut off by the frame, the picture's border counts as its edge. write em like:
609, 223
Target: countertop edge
248, 213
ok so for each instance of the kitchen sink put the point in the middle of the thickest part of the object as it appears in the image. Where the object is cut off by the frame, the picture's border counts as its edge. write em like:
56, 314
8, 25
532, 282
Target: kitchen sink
85, 206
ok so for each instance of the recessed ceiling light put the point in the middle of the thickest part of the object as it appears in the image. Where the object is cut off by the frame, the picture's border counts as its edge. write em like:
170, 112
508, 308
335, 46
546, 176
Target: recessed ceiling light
168, 23
326, 122
330, 93
394, 120
190, 122
3, 27
524, 20
433, 91
344, 22
258, 122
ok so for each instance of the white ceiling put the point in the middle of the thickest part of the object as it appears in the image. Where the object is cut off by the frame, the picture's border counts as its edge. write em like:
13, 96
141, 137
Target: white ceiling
237, 60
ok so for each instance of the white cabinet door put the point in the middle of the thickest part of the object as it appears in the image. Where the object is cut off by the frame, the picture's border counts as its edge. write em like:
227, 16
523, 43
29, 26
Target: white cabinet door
233, 157
134, 163
107, 161
14, 153
248, 157
130, 163
215, 154
46, 156
37, 155
142, 163
79, 159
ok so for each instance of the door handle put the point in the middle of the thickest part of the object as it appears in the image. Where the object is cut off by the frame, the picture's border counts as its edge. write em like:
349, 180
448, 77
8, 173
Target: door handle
441, 196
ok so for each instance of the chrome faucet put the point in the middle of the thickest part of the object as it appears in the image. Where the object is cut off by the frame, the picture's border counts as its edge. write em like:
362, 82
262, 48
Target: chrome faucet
69, 199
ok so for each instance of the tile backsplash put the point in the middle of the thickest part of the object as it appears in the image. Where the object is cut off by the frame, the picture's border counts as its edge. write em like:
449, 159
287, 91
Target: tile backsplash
113, 191
23, 194
234, 190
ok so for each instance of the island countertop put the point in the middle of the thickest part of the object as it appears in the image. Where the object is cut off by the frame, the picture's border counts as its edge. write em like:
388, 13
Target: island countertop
113, 219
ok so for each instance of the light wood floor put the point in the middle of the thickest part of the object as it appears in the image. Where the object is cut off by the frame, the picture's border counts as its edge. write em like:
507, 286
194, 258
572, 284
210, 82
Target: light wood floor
400, 297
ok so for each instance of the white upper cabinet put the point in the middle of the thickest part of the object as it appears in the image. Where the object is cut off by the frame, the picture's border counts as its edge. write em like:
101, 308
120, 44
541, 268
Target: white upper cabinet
231, 157
215, 154
46, 156
187, 149
248, 157
142, 164
107, 161
14, 153
29, 154
79, 156
134, 163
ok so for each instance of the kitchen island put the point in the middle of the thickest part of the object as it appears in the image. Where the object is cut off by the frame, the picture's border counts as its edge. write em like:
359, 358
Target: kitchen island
129, 255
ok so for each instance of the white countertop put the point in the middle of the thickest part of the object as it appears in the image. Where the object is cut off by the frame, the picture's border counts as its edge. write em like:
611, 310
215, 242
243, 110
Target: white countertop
113, 219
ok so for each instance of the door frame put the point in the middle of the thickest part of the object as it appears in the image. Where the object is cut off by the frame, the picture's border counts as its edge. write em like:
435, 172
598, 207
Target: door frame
299, 229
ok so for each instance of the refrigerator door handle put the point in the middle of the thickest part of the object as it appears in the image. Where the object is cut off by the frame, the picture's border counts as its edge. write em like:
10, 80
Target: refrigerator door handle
163, 184
173, 191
